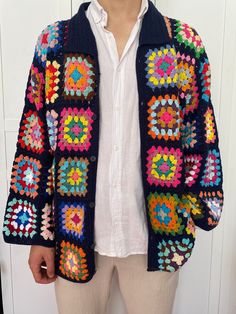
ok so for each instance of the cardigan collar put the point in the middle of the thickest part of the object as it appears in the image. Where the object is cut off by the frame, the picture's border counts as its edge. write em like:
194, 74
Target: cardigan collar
81, 37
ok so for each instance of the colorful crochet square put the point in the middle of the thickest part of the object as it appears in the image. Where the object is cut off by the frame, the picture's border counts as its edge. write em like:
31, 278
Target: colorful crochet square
187, 82
73, 176
52, 81
161, 69
214, 201
172, 254
212, 172
192, 168
31, 133
49, 40
25, 175
184, 208
189, 134
163, 214
51, 118
205, 72
210, 126
71, 221
73, 262
188, 36
164, 166
75, 129
20, 219
196, 205
47, 228
164, 117
50, 179
79, 77
36, 87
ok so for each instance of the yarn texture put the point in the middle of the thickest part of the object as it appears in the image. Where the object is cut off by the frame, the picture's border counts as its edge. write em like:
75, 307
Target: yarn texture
51, 200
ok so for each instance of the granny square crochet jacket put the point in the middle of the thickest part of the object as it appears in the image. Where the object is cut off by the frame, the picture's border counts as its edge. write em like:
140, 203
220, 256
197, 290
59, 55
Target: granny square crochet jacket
51, 199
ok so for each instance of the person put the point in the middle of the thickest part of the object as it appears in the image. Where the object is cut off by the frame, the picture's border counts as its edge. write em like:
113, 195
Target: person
102, 59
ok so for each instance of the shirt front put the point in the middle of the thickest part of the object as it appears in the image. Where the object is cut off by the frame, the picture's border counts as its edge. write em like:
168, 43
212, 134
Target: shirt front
120, 221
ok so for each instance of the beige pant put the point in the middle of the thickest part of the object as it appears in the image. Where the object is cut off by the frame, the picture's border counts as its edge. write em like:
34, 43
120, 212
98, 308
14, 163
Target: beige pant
143, 292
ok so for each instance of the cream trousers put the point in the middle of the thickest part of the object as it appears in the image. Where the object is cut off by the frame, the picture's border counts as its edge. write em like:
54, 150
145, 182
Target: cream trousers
142, 291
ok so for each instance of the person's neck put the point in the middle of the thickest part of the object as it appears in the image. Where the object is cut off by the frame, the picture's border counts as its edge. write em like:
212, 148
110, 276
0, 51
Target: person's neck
121, 9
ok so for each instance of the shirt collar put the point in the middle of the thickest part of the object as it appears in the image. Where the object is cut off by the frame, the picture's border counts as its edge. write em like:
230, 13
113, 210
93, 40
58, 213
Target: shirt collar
80, 36
99, 14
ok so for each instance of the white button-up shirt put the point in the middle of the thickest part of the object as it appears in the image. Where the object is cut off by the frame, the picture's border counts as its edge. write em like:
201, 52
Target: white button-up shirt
120, 218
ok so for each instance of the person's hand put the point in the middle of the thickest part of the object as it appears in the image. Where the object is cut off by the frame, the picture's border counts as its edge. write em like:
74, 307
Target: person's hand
41, 263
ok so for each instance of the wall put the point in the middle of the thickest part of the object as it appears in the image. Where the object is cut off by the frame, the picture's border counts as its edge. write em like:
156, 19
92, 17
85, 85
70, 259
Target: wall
207, 282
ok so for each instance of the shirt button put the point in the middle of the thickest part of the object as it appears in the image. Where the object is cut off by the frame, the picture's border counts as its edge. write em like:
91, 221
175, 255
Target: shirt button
91, 204
116, 147
94, 117
93, 158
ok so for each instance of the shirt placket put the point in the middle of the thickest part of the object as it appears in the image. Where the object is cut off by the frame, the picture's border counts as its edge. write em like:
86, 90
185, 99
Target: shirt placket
116, 148
115, 167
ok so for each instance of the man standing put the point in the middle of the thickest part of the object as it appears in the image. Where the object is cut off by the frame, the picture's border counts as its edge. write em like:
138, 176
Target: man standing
117, 157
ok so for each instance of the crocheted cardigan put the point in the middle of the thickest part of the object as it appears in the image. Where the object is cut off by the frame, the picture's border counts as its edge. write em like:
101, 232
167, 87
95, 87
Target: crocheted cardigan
51, 200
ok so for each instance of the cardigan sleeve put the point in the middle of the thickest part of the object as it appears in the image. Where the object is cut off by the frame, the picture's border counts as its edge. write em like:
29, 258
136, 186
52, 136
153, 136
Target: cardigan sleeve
202, 155
28, 215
